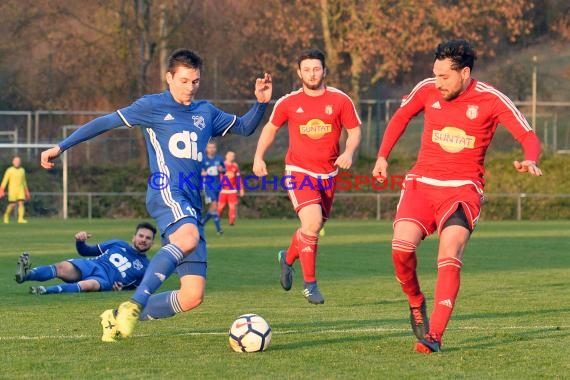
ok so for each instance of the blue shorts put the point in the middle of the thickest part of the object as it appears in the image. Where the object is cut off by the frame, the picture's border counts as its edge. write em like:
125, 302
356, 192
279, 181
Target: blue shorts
200, 255
211, 195
90, 270
191, 268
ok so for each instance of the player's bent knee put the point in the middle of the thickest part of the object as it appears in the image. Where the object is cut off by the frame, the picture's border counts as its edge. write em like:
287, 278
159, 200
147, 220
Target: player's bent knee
190, 301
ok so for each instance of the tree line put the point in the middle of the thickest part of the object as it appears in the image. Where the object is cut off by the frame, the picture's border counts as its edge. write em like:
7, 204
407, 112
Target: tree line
102, 54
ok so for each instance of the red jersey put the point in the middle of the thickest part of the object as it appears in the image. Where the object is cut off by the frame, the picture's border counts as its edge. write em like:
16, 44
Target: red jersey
229, 180
315, 124
458, 132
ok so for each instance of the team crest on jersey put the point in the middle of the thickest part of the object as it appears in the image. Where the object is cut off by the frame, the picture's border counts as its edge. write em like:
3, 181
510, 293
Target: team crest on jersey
472, 111
137, 264
329, 110
199, 122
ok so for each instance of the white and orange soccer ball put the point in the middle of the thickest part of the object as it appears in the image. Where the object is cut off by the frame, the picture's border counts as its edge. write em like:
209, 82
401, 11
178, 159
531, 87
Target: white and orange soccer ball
250, 333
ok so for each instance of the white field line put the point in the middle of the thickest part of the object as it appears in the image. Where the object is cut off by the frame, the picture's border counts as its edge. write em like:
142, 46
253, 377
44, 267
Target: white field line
284, 332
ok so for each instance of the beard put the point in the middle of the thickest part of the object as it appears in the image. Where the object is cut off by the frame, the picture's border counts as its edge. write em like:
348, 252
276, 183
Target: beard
451, 95
141, 247
316, 86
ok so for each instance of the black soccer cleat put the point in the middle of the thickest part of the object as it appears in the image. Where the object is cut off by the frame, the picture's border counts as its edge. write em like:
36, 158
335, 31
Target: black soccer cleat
313, 294
419, 320
24, 265
286, 277
429, 344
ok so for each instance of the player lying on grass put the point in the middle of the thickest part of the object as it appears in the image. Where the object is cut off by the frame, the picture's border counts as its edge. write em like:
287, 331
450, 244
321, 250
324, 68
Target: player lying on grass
112, 265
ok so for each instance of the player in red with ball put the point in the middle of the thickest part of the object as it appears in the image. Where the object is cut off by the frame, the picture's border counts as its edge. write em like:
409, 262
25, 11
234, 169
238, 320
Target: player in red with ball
315, 115
461, 115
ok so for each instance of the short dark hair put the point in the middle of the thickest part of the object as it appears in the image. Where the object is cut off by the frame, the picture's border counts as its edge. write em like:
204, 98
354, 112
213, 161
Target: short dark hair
186, 58
460, 52
147, 226
311, 54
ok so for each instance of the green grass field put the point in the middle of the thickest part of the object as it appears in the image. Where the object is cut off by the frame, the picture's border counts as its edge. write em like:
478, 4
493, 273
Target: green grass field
512, 318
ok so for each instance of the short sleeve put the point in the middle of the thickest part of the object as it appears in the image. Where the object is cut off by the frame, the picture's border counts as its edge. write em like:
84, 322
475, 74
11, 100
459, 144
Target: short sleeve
138, 113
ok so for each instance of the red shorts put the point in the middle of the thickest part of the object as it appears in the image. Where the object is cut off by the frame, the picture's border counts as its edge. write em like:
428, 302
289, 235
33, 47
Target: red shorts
430, 206
304, 190
228, 198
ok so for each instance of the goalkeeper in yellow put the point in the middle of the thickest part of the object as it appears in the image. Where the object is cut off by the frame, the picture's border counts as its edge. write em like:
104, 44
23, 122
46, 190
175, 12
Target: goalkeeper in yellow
15, 179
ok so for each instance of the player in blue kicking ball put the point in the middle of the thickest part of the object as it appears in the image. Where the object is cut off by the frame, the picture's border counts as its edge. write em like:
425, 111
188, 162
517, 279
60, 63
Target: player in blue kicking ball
177, 129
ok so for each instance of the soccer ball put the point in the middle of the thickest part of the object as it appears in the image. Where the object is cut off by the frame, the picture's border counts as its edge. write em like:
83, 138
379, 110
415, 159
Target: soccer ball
250, 333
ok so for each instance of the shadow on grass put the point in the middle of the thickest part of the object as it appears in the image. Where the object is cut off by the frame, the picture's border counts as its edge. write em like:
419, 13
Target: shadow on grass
503, 338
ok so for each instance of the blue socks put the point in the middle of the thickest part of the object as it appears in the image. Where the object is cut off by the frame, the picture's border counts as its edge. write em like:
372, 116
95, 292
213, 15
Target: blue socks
160, 268
162, 305
213, 215
216, 221
42, 273
63, 288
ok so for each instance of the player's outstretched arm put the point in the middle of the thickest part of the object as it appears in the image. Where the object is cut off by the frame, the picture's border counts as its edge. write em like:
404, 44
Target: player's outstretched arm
89, 130
344, 161
265, 140
527, 166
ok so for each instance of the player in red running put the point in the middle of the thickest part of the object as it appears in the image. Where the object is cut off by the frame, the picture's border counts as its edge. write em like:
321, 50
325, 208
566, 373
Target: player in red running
315, 115
443, 191
231, 185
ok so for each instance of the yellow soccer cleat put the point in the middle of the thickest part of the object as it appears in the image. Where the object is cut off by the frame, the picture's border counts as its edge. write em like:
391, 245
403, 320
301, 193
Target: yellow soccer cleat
109, 325
127, 317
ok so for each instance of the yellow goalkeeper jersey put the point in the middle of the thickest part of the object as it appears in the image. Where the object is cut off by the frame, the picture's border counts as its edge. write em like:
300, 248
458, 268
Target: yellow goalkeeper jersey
15, 178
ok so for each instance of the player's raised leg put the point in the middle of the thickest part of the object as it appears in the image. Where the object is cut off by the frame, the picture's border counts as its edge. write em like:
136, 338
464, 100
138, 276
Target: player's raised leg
183, 241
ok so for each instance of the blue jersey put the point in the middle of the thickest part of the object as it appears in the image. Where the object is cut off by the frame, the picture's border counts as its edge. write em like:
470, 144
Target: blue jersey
176, 137
211, 166
121, 262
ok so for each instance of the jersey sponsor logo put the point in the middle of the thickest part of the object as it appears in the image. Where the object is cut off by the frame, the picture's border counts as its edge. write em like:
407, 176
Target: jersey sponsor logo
199, 121
315, 129
120, 262
472, 111
300, 110
329, 110
138, 265
168, 117
452, 139
185, 145
436, 105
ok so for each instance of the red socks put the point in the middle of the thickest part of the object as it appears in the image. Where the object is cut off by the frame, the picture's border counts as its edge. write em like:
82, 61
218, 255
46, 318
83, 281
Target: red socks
405, 262
446, 289
303, 247
293, 251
